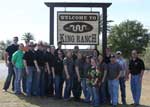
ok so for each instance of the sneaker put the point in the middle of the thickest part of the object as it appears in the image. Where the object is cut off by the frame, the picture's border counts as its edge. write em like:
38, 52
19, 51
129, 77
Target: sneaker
4, 90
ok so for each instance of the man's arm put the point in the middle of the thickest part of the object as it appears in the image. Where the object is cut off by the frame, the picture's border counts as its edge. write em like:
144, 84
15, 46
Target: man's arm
77, 72
48, 69
6, 58
66, 72
36, 65
26, 68
119, 71
142, 69
53, 71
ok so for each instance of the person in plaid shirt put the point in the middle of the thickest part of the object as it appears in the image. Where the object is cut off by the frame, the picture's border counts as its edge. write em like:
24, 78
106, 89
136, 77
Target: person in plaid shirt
93, 79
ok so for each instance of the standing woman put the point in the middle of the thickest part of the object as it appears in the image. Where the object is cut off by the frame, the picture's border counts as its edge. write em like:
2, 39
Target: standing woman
17, 61
79, 63
69, 74
58, 68
86, 67
103, 84
93, 81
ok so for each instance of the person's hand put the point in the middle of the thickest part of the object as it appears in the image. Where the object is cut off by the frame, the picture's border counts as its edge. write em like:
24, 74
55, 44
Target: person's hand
53, 76
27, 71
99, 84
79, 79
117, 78
49, 72
6, 64
38, 70
68, 77
127, 78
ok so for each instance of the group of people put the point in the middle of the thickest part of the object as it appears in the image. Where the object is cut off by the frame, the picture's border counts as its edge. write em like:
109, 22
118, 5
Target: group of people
41, 70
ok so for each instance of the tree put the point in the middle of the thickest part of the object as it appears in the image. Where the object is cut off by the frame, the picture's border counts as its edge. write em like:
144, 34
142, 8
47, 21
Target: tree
3, 46
27, 37
127, 36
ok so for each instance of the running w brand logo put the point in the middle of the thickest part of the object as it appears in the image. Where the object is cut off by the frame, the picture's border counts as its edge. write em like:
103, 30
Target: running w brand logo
78, 27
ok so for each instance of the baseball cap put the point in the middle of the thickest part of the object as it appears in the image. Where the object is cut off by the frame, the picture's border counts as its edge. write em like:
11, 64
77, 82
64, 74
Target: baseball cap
118, 52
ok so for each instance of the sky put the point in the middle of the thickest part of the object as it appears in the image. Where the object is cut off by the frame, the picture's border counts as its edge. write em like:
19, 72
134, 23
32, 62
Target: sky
20, 16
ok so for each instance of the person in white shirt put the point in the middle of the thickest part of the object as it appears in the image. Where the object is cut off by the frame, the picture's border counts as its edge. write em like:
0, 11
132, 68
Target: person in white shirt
123, 64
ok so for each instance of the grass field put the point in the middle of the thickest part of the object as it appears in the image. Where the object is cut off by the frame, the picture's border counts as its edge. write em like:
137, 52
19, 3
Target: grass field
8, 99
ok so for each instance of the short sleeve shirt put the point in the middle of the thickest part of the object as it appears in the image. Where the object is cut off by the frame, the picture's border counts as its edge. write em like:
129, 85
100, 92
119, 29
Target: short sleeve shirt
70, 65
113, 70
80, 65
136, 66
29, 56
58, 66
10, 50
50, 59
86, 67
40, 57
102, 68
92, 76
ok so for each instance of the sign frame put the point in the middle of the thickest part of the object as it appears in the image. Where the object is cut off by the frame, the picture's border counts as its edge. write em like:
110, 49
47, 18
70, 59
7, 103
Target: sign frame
83, 22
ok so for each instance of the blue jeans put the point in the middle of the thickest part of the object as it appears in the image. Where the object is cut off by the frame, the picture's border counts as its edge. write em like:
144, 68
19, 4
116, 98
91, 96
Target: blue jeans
10, 75
68, 88
58, 86
113, 90
95, 92
50, 85
42, 81
24, 76
76, 89
18, 78
85, 90
136, 88
102, 92
34, 83
122, 89
39, 81
29, 78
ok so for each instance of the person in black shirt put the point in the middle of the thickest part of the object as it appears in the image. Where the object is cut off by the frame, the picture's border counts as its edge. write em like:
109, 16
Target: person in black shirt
8, 55
107, 61
136, 69
58, 67
40, 63
50, 57
76, 92
29, 58
59, 48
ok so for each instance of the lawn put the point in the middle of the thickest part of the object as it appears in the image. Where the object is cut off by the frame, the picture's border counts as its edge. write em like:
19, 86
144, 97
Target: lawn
8, 99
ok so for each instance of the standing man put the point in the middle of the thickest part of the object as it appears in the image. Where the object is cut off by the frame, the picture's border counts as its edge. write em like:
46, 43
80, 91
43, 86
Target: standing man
76, 89
69, 74
8, 55
113, 79
59, 67
136, 69
17, 61
123, 66
40, 64
29, 58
